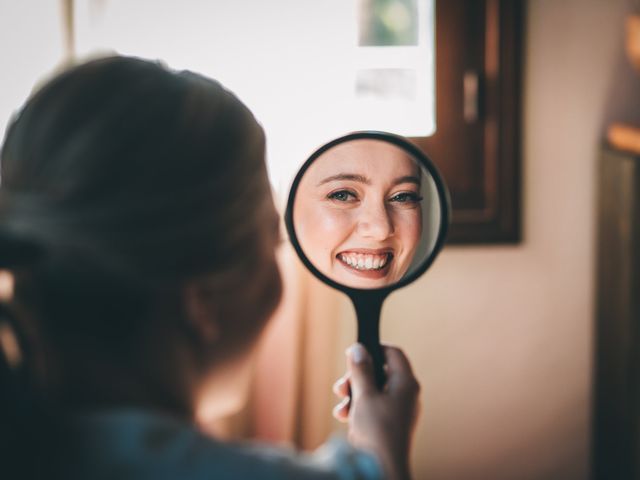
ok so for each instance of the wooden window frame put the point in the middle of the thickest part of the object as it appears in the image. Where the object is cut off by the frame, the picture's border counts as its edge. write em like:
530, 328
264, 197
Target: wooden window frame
481, 163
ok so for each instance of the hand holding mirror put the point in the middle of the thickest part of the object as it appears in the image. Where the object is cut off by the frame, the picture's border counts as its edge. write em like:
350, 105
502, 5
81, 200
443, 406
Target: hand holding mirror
367, 214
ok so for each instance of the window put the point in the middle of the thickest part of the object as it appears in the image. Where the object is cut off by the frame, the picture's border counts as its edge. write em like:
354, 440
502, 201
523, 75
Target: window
309, 70
477, 143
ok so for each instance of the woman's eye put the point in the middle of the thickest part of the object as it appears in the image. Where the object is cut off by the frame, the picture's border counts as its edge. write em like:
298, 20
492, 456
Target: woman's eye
406, 197
342, 196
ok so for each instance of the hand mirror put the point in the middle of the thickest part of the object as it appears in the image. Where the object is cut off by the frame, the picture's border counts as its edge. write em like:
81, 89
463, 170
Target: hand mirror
367, 214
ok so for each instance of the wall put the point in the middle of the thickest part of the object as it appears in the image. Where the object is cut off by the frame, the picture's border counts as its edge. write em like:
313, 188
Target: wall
32, 43
501, 337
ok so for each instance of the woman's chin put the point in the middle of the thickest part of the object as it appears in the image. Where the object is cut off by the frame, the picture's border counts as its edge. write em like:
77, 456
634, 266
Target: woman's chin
363, 283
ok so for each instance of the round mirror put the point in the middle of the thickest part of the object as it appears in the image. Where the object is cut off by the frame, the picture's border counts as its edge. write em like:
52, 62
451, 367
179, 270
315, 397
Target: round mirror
368, 213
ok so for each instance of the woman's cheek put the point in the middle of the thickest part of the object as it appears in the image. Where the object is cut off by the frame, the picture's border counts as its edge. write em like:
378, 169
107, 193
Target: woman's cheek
335, 221
335, 225
408, 226
326, 229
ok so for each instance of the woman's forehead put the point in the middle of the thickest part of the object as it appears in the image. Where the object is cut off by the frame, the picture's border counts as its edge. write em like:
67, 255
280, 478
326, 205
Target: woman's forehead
374, 159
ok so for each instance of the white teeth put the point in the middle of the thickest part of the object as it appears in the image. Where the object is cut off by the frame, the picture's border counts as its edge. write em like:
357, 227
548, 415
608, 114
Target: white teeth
362, 261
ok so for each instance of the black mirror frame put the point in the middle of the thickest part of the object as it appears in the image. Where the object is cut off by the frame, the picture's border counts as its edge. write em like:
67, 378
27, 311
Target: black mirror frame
443, 194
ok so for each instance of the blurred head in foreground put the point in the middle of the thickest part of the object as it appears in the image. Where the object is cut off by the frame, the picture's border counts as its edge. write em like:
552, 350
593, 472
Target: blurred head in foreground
137, 219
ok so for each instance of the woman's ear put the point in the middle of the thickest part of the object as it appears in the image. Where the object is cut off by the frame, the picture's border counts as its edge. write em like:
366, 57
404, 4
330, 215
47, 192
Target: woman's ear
201, 311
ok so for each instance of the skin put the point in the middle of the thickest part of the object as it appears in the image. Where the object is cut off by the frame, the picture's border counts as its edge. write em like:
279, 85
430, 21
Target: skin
360, 201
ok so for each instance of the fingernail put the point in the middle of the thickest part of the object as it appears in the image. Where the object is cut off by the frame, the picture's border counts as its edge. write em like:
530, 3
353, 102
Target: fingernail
357, 353
336, 387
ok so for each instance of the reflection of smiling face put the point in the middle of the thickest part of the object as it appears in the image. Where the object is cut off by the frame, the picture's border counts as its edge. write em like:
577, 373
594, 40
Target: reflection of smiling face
357, 213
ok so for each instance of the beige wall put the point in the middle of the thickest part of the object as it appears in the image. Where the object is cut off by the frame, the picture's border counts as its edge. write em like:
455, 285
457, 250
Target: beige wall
501, 336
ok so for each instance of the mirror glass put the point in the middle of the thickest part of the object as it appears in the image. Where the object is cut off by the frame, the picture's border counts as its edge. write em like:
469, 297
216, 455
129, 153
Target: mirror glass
367, 213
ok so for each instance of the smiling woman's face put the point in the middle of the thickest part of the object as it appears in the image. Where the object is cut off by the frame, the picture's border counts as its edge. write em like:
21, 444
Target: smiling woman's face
358, 214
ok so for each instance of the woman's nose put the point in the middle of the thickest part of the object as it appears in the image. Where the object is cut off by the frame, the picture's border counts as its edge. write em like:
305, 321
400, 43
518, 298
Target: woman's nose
375, 222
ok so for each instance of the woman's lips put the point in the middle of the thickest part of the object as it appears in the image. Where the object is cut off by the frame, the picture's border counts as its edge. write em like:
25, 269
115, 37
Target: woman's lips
366, 263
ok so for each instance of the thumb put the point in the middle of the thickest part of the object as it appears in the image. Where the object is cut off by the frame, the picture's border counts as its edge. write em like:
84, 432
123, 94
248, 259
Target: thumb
361, 371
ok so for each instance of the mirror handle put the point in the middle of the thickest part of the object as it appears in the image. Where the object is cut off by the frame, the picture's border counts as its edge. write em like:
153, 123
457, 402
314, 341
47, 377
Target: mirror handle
375, 350
368, 306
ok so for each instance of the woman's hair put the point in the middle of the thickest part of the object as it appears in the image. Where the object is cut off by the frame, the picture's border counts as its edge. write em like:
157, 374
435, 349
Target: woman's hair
120, 181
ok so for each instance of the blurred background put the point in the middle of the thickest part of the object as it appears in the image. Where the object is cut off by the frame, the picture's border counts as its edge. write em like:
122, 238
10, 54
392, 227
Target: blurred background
501, 332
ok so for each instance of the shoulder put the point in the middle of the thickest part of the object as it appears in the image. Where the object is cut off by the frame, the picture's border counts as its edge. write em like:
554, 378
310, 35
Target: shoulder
336, 459
139, 445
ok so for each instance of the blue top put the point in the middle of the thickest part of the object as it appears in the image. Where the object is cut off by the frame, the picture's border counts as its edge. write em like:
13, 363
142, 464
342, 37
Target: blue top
138, 444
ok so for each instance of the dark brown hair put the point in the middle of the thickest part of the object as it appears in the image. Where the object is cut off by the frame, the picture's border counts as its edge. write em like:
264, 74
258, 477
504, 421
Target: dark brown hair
120, 181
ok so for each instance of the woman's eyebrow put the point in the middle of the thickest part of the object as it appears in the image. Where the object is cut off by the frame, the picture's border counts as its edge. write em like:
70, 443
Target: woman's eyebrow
407, 179
346, 176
